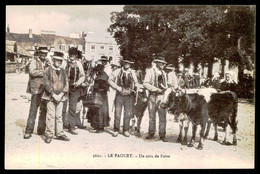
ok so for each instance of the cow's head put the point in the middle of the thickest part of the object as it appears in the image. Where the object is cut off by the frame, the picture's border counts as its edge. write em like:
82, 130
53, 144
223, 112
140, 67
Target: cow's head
171, 99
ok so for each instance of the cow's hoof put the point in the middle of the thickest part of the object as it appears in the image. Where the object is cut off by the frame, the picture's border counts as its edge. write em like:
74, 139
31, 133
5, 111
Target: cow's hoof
226, 143
200, 147
138, 134
184, 142
190, 145
215, 138
179, 139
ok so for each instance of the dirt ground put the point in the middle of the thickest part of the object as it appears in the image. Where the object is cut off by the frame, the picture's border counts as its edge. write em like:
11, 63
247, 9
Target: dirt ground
90, 150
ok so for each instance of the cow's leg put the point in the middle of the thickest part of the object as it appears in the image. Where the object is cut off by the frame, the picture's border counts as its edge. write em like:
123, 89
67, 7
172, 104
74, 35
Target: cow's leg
227, 130
140, 115
216, 132
194, 130
208, 128
180, 133
234, 139
132, 127
138, 128
139, 120
203, 126
186, 128
233, 125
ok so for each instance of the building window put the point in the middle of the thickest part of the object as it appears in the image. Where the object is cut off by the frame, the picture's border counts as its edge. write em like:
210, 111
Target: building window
62, 47
80, 47
102, 47
92, 47
111, 48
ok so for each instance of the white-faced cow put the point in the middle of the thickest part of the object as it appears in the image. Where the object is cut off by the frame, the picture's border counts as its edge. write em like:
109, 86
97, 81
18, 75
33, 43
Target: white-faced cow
203, 105
194, 104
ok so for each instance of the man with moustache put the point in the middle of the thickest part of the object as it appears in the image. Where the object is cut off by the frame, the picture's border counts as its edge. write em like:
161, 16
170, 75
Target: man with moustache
35, 88
55, 93
155, 82
123, 80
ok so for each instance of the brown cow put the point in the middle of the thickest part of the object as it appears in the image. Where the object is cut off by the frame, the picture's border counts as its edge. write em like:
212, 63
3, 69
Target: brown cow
222, 108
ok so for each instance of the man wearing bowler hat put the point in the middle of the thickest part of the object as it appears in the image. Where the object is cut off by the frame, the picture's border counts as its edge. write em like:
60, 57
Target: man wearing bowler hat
55, 92
123, 80
35, 88
155, 82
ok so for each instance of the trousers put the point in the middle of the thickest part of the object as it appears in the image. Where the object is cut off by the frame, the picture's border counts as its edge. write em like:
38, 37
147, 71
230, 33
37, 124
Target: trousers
74, 98
54, 123
126, 101
64, 113
35, 104
154, 102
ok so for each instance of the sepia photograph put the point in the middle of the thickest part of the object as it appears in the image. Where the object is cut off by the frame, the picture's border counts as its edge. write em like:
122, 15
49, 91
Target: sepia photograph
130, 87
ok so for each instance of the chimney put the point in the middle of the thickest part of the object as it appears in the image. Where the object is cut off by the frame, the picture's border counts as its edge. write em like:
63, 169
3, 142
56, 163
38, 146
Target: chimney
82, 34
8, 29
30, 34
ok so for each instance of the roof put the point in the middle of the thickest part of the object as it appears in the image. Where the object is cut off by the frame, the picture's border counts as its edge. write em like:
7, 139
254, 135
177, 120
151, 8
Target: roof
96, 39
10, 42
24, 43
9, 50
27, 43
24, 52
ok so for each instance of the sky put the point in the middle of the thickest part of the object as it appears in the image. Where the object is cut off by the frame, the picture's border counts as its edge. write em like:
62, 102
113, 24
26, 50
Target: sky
64, 19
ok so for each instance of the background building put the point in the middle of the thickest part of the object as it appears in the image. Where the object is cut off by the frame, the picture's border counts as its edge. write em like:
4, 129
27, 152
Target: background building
96, 46
46, 39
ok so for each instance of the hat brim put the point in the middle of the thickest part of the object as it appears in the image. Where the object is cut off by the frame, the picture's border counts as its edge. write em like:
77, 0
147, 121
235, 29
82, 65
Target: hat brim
102, 59
160, 61
43, 51
57, 57
126, 61
170, 68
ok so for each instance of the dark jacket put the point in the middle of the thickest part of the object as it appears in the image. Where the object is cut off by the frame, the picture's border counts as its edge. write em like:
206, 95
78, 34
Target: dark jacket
54, 84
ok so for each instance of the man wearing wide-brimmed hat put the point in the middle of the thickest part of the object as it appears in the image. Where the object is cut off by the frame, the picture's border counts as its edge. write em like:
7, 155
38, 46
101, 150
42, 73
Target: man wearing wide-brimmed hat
123, 80
76, 77
155, 82
55, 93
35, 87
105, 62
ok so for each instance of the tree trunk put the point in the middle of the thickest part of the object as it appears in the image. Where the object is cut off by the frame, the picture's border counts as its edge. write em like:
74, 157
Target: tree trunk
202, 67
195, 64
223, 63
240, 72
210, 67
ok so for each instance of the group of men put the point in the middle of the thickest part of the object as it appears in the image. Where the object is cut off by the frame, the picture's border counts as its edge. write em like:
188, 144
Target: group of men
60, 83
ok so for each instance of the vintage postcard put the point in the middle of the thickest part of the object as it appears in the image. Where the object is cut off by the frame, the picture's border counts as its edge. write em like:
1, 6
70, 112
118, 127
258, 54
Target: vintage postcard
130, 87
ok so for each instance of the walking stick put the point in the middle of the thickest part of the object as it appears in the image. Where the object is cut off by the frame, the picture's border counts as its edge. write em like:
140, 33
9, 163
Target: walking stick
83, 116
136, 97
